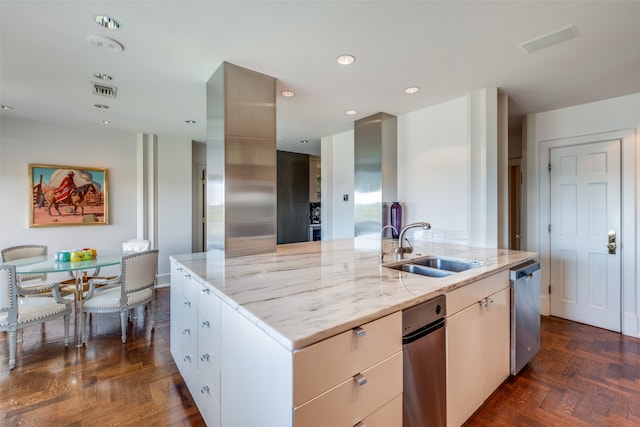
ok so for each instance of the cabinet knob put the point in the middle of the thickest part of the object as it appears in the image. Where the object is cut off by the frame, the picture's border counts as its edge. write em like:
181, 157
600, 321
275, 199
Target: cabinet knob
359, 331
187, 304
178, 268
205, 324
205, 291
204, 389
186, 332
186, 276
187, 358
204, 357
360, 379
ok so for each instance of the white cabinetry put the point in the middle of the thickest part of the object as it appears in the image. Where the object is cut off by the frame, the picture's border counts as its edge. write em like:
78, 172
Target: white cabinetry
345, 379
477, 344
195, 340
239, 376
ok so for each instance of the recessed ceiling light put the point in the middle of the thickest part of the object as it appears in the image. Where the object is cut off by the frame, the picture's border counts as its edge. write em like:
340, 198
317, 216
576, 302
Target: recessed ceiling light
107, 22
102, 76
106, 43
411, 89
190, 122
105, 122
101, 106
6, 107
346, 59
304, 141
288, 93
351, 112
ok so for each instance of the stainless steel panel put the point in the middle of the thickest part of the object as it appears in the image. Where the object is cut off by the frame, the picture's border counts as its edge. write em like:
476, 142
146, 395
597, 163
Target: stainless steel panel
525, 314
375, 180
424, 380
242, 174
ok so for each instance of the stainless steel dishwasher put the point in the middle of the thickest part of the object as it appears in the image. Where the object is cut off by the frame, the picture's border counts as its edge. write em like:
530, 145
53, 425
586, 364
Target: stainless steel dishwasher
424, 364
525, 314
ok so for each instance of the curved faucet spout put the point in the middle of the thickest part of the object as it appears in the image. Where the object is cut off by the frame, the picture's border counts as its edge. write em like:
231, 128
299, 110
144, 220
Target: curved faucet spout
382, 253
401, 250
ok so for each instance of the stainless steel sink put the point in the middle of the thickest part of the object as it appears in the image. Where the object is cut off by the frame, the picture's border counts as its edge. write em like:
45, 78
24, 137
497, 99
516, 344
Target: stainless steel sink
422, 270
434, 266
449, 264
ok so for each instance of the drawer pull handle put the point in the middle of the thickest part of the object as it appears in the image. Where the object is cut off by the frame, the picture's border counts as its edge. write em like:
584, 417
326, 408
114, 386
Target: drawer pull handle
186, 332
360, 424
187, 304
204, 389
360, 379
359, 331
205, 324
187, 358
484, 302
178, 268
187, 276
205, 291
204, 357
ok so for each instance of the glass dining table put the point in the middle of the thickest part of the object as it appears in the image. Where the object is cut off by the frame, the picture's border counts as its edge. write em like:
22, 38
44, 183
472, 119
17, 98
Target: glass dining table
47, 264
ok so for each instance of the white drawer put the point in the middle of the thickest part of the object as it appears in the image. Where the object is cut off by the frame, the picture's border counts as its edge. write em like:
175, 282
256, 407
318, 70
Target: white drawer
323, 365
208, 380
350, 402
208, 406
389, 415
465, 296
208, 341
190, 287
209, 303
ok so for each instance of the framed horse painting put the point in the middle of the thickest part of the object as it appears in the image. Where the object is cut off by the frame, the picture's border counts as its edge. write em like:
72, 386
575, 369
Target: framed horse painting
68, 195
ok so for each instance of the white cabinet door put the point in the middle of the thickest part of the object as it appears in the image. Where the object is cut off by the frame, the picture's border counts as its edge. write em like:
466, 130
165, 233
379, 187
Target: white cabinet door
477, 354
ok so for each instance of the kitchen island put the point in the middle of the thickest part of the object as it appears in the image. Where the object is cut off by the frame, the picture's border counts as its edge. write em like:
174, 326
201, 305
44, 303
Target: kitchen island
246, 331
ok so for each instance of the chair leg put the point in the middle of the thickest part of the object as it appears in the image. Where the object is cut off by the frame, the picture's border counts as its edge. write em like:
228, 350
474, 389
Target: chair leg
85, 326
12, 349
123, 324
66, 330
152, 318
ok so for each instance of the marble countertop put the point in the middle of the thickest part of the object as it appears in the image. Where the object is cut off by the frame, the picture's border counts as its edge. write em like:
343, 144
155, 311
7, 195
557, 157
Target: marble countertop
306, 292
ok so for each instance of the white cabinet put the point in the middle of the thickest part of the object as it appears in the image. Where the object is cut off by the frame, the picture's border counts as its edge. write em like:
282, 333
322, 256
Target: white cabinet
195, 340
239, 376
345, 379
477, 344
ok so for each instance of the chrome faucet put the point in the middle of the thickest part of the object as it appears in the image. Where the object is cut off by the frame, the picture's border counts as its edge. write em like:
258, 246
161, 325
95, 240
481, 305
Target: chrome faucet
401, 250
382, 240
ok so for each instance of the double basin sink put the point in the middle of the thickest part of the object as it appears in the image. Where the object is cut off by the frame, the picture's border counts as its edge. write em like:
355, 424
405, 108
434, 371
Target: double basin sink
435, 266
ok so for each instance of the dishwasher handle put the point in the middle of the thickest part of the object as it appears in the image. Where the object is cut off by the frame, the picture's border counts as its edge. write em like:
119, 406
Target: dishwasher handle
425, 330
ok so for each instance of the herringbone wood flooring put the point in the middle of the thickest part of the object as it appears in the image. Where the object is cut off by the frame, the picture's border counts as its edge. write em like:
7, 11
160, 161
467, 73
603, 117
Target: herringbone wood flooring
583, 376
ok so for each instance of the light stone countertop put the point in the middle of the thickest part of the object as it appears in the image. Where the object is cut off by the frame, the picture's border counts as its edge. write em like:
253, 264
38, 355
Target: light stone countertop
306, 292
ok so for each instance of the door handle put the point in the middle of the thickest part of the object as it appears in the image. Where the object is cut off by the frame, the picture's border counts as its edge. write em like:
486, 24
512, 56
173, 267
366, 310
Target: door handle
612, 243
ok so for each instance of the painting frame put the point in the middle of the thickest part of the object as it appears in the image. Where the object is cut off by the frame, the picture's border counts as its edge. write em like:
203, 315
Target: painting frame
68, 195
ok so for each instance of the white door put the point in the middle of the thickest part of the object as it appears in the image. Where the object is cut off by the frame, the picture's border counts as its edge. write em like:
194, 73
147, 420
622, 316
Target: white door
585, 208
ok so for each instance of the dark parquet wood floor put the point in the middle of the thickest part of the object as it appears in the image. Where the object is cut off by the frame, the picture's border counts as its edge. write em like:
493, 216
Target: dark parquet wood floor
583, 376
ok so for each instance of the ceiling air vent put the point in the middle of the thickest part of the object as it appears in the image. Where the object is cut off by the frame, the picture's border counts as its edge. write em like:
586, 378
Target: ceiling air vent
104, 90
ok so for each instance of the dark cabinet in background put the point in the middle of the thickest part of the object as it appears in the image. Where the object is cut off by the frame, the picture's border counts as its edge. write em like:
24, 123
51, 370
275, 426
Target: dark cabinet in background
293, 197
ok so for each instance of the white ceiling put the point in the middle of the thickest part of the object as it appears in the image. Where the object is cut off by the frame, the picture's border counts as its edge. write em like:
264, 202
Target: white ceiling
171, 48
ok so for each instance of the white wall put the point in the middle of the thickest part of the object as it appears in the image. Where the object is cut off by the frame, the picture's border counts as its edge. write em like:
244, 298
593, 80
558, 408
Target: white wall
433, 168
26, 141
337, 165
447, 172
618, 115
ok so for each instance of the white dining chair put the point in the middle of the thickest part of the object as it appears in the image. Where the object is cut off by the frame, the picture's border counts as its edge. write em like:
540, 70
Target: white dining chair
29, 284
137, 285
135, 245
18, 312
